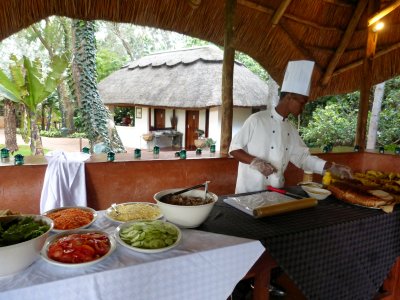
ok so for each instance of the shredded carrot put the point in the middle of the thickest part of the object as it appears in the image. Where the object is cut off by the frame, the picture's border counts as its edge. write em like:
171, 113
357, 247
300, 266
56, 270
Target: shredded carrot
70, 218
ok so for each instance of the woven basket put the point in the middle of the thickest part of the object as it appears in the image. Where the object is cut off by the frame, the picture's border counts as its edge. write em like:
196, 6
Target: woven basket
200, 143
148, 137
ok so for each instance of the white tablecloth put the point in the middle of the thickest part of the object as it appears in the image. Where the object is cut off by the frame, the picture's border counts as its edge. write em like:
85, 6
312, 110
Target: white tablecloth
203, 266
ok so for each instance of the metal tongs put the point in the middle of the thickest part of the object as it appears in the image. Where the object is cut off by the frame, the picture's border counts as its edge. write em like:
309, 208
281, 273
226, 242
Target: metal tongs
169, 195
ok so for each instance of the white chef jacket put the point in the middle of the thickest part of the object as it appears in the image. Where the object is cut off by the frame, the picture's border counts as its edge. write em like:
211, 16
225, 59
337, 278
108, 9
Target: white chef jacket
268, 136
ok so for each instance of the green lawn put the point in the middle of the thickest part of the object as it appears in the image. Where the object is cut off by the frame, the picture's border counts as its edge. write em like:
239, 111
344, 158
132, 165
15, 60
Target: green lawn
24, 150
335, 149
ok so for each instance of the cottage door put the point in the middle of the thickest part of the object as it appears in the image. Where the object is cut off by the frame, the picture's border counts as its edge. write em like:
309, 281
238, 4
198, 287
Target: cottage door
159, 118
192, 123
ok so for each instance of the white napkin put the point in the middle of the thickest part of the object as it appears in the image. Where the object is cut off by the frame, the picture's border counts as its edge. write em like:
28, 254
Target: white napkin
64, 181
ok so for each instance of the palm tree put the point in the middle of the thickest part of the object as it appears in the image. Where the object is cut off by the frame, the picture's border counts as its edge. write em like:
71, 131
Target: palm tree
30, 86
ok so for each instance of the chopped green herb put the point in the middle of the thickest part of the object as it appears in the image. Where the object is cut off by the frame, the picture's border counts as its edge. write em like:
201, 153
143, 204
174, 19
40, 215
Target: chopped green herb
21, 230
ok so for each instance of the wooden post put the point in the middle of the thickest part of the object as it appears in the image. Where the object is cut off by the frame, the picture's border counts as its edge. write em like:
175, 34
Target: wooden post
227, 78
366, 84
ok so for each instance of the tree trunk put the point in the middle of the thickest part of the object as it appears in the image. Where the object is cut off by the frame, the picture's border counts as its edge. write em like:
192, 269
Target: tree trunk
36, 141
10, 126
66, 106
48, 118
117, 32
96, 118
374, 120
43, 116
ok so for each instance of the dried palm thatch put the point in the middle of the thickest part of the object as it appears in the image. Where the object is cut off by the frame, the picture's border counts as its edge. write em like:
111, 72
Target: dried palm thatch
334, 33
188, 78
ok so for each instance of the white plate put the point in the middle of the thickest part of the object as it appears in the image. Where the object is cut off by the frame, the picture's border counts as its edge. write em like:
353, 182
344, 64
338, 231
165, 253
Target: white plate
110, 209
145, 250
91, 210
317, 193
310, 184
52, 239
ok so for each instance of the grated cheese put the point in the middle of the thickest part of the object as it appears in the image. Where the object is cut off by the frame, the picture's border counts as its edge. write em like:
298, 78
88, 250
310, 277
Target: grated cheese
136, 211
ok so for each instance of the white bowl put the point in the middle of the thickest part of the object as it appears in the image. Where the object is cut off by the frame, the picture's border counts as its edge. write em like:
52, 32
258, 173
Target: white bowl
317, 193
145, 250
54, 238
88, 209
110, 210
186, 216
15, 258
310, 184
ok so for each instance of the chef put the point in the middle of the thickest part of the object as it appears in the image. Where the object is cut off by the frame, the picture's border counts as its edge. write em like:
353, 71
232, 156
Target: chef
267, 142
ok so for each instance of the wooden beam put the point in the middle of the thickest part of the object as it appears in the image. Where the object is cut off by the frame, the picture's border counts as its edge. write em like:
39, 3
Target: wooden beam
345, 41
270, 11
380, 14
227, 78
312, 24
366, 83
387, 50
194, 3
276, 17
339, 2
360, 61
279, 12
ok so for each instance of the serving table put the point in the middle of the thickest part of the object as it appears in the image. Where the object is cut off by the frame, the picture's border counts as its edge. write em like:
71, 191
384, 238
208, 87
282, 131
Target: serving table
332, 251
203, 266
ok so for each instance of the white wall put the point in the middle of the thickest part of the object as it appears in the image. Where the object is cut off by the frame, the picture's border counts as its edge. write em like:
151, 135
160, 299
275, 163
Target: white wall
202, 119
214, 128
239, 116
132, 136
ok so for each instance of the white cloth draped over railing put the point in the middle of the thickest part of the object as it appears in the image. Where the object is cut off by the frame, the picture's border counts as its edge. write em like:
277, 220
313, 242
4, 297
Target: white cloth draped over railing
64, 181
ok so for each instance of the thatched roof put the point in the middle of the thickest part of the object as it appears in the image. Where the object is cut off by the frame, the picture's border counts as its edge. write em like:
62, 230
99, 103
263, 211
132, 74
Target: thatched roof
334, 33
187, 78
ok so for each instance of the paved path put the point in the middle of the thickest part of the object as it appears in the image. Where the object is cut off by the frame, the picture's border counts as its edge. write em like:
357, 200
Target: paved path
66, 144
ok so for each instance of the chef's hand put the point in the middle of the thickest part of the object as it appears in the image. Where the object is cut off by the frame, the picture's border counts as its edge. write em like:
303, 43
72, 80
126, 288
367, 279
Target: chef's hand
340, 171
262, 166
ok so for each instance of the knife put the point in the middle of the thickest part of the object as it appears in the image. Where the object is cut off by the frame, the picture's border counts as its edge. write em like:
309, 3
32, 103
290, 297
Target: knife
273, 189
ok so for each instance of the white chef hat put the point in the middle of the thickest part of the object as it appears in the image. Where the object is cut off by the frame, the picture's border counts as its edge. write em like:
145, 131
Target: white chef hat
298, 77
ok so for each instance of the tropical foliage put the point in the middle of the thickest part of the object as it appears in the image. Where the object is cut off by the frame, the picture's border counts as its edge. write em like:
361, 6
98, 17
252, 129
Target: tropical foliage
29, 85
334, 119
335, 123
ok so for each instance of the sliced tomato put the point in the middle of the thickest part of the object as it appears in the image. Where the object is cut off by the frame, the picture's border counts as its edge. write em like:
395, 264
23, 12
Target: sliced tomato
55, 251
88, 250
101, 247
78, 248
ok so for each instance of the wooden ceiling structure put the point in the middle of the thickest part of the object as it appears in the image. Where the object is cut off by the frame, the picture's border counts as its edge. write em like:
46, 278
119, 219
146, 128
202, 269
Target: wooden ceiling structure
339, 35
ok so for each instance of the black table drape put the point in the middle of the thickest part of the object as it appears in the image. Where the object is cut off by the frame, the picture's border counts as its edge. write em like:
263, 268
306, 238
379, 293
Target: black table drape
332, 251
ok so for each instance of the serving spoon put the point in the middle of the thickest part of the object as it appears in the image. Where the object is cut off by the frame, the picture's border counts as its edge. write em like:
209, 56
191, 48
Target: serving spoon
167, 196
114, 206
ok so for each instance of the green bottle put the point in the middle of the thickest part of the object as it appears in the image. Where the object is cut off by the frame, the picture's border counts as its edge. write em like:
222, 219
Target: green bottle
182, 154
5, 155
138, 153
156, 151
18, 160
110, 156
86, 150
